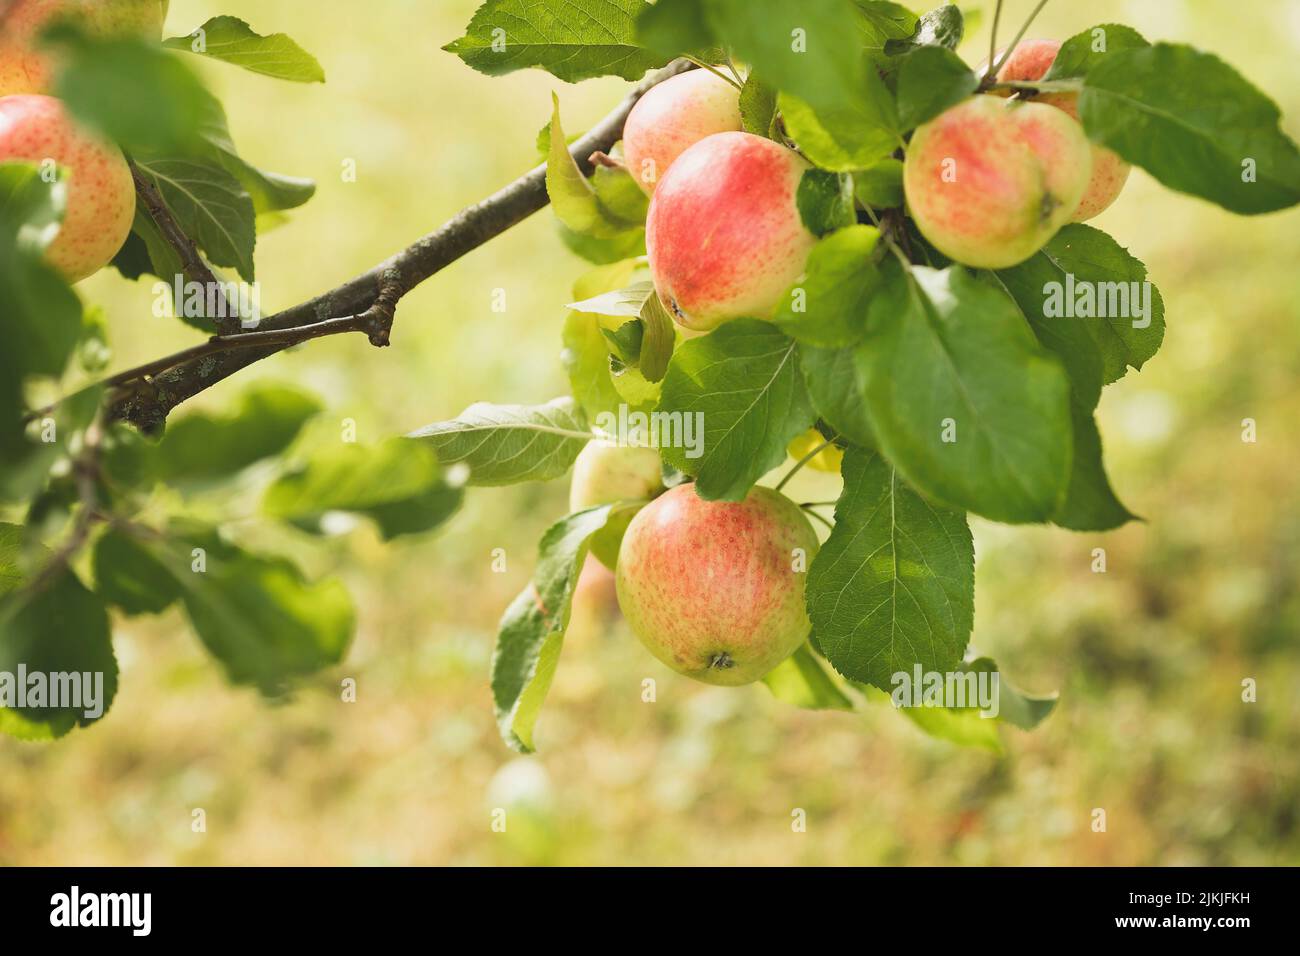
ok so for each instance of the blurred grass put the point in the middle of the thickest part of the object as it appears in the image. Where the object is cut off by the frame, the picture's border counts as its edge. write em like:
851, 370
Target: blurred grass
1149, 656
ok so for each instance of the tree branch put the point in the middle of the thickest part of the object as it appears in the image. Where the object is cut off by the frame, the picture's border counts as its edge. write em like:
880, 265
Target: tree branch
195, 268
145, 395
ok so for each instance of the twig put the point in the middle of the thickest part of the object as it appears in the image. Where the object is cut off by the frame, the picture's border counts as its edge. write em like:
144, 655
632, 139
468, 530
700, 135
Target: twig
195, 268
716, 72
801, 462
991, 76
85, 473
993, 45
157, 387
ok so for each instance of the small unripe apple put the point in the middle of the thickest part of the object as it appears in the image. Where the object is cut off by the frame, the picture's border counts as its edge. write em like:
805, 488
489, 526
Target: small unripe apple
724, 234
604, 474
991, 180
101, 193
715, 589
1030, 60
25, 68
673, 115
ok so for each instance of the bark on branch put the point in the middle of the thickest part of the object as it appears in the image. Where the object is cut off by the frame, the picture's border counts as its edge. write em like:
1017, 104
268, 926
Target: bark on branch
145, 395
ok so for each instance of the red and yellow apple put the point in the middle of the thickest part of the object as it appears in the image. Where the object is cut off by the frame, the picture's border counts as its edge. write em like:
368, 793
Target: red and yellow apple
25, 68
991, 180
1029, 61
101, 194
724, 234
715, 589
674, 115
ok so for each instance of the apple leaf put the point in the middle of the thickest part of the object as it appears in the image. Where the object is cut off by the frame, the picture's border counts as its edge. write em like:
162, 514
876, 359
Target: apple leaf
943, 26
880, 185
743, 386
210, 204
828, 306
894, 584
573, 198
962, 398
758, 103
1077, 261
571, 39
1084, 50
1195, 124
802, 681
54, 627
825, 201
505, 444
233, 41
638, 304
531, 632
397, 484
931, 79
836, 392
846, 137
1090, 503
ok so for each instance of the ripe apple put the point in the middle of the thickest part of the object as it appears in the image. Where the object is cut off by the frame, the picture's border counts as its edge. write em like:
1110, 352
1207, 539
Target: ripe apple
724, 235
101, 194
675, 114
990, 180
1029, 61
715, 589
24, 68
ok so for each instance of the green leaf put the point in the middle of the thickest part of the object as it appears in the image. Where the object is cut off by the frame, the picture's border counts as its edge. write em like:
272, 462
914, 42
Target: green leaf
640, 303
13, 549
1090, 503
967, 727
210, 204
835, 390
671, 28
880, 185
129, 576
233, 41
885, 22
1081, 52
828, 306
398, 484
270, 192
256, 614
943, 27
532, 630
1078, 266
845, 138
894, 584
573, 198
811, 49
950, 357
505, 444
802, 681
132, 91
825, 201
202, 446
758, 103
930, 80
742, 383
1195, 124
54, 627
571, 39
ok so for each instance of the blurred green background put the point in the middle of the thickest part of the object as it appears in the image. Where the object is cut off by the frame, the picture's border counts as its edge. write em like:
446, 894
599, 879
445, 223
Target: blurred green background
1149, 656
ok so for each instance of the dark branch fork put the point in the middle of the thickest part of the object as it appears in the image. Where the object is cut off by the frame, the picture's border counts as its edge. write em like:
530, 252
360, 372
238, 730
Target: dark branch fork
146, 394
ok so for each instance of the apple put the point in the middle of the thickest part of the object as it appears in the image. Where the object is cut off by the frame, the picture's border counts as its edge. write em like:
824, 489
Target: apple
991, 180
715, 589
724, 234
26, 69
1029, 61
604, 474
675, 114
101, 193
